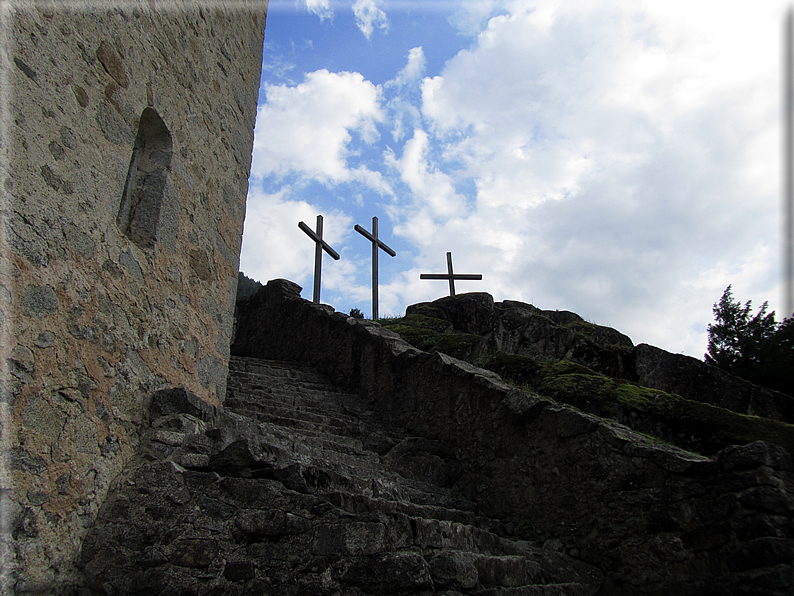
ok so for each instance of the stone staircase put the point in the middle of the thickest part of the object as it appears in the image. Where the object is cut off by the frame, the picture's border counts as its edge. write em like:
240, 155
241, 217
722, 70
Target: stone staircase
295, 488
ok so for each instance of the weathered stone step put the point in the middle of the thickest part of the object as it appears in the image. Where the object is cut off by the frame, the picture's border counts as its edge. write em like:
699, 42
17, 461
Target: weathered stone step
285, 415
310, 432
468, 569
278, 373
341, 407
297, 396
300, 399
565, 589
283, 368
316, 467
370, 480
317, 444
276, 386
358, 503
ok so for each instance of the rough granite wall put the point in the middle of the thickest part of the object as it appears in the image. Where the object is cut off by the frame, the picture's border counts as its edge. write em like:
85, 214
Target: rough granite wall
126, 147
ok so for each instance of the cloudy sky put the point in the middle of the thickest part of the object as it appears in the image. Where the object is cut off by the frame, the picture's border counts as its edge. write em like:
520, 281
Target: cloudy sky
618, 159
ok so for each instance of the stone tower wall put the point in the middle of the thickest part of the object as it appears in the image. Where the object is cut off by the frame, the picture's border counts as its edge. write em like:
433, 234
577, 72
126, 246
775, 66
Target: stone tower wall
126, 145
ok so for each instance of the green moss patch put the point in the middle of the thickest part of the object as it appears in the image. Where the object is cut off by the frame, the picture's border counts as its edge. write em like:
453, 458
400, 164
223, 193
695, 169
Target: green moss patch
566, 367
417, 321
687, 423
457, 345
519, 370
432, 335
582, 328
428, 310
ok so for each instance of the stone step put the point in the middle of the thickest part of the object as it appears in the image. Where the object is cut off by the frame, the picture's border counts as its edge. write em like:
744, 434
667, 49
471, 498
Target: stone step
312, 425
566, 589
468, 569
318, 464
299, 397
277, 372
270, 410
275, 385
293, 394
360, 504
248, 369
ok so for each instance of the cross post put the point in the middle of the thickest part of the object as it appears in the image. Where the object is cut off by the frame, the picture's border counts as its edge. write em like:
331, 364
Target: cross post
321, 245
376, 244
450, 275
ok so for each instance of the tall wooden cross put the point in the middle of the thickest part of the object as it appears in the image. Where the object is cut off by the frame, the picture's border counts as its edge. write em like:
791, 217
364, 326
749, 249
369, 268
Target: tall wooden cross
376, 244
450, 275
321, 245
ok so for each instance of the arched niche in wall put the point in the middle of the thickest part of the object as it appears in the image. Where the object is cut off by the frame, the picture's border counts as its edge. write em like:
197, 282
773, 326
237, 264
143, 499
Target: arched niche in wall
144, 191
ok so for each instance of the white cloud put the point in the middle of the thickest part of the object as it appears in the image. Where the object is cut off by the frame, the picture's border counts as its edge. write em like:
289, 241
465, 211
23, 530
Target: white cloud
471, 15
369, 16
307, 128
622, 167
321, 8
413, 70
403, 114
271, 224
618, 159
433, 192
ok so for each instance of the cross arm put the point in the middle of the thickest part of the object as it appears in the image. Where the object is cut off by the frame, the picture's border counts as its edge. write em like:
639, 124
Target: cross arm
326, 247
463, 276
372, 238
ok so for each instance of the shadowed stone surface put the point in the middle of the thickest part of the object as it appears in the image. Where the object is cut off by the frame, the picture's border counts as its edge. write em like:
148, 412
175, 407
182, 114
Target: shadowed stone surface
654, 519
518, 328
687, 376
278, 492
671, 397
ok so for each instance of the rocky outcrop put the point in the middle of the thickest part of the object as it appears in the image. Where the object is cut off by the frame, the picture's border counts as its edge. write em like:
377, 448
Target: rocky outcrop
654, 519
692, 378
478, 328
519, 328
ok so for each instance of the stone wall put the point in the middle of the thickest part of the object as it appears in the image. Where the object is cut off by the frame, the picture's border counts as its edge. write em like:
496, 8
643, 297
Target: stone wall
654, 518
126, 148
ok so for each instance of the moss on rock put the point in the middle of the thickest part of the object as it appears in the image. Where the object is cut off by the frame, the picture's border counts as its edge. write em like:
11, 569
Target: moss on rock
687, 423
433, 335
666, 416
516, 369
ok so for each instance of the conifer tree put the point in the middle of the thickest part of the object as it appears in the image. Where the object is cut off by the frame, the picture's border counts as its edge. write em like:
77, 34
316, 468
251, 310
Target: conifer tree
754, 347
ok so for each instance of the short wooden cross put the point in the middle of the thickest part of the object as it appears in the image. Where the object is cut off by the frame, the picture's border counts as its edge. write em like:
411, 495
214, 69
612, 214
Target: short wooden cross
450, 275
321, 245
376, 244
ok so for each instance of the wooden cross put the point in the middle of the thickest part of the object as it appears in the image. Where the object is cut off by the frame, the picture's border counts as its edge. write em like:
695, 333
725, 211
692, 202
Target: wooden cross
450, 275
376, 244
321, 245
